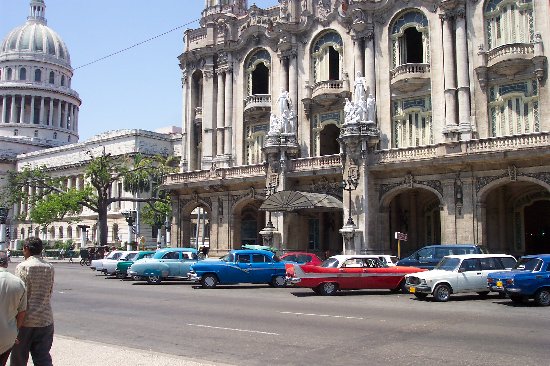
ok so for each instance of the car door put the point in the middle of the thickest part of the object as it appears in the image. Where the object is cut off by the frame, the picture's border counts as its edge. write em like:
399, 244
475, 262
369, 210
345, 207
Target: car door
470, 276
240, 271
172, 260
185, 263
261, 268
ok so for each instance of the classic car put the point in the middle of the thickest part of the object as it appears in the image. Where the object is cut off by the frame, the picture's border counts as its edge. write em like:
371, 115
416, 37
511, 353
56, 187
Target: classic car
123, 265
348, 272
240, 266
302, 258
165, 264
97, 264
429, 256
109, 265
529, 279
458, 274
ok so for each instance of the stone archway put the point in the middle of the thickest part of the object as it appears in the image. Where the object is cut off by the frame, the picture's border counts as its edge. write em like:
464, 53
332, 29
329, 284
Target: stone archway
247, 221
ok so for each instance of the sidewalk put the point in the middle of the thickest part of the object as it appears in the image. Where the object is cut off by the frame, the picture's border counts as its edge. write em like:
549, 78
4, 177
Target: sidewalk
68, 351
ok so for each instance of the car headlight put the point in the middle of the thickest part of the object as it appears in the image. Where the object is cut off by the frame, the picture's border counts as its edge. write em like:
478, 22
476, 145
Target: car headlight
510, 282
423, 281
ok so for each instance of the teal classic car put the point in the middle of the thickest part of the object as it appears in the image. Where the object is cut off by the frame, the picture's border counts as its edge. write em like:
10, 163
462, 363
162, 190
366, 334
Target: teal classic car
165, 264
123, 265
240, 266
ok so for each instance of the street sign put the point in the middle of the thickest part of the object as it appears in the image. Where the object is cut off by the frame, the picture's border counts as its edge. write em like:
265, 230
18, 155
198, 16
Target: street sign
400, 236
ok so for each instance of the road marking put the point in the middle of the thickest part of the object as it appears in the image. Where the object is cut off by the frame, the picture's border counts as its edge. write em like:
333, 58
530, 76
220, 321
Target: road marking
323, 315
233, 329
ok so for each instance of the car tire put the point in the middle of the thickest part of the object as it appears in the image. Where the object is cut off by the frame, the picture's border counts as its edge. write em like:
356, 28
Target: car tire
209, 281
442, 293
154, 279
400, 288
327, 288
278, 281
420, 295
542, 297
483, 293
120, 275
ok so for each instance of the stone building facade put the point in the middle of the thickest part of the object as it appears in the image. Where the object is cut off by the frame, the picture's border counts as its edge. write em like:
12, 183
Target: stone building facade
457, 152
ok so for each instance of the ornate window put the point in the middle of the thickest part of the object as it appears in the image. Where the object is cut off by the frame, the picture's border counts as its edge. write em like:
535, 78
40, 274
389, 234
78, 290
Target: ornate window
52, 77
257, 72
514, 108
62, 80
325, 132
412, 122
508, 21
38, 75
327, 57
410, 39
23, 74
9, 74
254, 141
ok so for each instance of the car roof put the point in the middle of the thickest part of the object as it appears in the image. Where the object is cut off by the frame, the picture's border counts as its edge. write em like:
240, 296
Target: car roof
300, 253
541, 256
176, 250
343, 257
252, 251
450, 246
474, 256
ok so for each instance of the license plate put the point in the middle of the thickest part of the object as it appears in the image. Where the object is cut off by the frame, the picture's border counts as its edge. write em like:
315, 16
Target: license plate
412, 290
499, 283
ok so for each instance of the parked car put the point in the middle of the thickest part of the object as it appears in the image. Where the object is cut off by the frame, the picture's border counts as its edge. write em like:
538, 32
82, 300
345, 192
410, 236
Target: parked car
123, 264
97, 264
390, 260
348, 272
109, 265
458, 273
529, 279
429, 256
240, 266
165, 264
302, 258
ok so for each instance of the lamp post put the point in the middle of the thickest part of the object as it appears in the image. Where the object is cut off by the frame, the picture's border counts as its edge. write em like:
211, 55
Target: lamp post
3, 217
267, 233
130, 217
167, 227
350, 184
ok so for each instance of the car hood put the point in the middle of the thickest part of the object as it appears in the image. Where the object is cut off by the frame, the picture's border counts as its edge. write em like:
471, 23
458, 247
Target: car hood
508, 274
434, 274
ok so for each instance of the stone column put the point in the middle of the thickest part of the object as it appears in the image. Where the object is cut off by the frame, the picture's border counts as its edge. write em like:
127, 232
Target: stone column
76, 119
13, 109
293, 80
228, 133
284, 74
449, 72
220, 123
370, 72
71, 117
358, 55
41, 116
66, 117
4, 109
32, 110
22, 114
208, 124
185, 123
462, 74
59, 121
50, 113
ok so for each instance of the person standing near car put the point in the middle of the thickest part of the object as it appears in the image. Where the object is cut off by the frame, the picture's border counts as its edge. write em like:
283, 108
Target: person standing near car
36, 334
13, 304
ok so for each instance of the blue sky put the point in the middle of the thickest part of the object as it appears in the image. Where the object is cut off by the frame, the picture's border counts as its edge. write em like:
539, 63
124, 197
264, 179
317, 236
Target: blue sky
139, 88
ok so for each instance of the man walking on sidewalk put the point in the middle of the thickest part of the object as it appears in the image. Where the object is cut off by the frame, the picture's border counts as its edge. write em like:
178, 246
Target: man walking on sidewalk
36, 334
13, 303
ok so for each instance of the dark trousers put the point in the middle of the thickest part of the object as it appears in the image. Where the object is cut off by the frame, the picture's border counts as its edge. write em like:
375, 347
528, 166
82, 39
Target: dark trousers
4, 357
36, 340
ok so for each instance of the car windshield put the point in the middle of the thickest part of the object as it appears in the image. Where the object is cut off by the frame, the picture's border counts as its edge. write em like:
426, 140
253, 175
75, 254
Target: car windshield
330, 263
229, 257
275, 259
130, 257
448, 264
528, 264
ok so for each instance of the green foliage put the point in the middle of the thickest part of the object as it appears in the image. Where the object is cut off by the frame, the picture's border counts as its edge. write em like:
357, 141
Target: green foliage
156, 213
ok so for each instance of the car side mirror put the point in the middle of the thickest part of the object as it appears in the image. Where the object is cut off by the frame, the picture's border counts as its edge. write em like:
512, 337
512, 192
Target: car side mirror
461, 270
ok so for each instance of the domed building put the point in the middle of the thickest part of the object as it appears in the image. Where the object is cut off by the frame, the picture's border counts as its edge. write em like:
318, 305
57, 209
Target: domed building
36, 99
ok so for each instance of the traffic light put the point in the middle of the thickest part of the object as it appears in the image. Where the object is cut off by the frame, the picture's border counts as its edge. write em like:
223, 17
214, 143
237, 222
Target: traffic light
7, 232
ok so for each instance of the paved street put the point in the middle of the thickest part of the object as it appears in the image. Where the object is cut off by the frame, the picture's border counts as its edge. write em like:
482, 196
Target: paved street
259, 325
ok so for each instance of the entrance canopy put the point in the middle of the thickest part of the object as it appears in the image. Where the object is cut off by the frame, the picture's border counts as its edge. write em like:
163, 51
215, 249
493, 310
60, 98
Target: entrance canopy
295, 200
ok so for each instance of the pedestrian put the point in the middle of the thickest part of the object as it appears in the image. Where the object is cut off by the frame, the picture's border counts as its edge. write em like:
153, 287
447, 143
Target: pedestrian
13, 304
36, 334
8, 254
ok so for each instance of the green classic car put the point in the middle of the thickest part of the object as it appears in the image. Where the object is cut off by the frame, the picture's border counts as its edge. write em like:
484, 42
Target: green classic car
122, 266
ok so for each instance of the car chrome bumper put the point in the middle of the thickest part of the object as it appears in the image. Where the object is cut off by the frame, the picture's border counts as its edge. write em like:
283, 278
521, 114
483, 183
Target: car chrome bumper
193, 277
292, 280
497, 289
421, 289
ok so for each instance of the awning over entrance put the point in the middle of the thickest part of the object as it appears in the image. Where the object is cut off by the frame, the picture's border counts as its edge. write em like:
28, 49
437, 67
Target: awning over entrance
295, 200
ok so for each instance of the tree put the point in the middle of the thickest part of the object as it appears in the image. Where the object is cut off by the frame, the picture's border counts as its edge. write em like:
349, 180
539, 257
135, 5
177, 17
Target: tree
52, 201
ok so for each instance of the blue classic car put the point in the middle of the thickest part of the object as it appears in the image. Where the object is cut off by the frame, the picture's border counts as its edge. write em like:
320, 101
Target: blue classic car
169, 263
530, 278
240, 266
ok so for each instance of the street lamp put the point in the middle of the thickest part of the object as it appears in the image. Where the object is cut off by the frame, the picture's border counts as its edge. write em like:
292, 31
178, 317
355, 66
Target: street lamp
3, 217
350, 184
130, 217
167, 227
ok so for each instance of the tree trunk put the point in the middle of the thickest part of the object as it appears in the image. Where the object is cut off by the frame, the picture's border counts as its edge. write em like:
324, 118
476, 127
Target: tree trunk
103, 226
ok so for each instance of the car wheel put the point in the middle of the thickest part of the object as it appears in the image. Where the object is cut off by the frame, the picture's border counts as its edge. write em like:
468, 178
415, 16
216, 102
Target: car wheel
542, 297
209, 281
278, 281
483, 293
420, 295
328, 288
400, 288
154, 280
120, 275
442, 293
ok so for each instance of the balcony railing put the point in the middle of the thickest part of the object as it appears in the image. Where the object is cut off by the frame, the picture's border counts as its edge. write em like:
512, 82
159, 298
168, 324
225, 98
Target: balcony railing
197, 176
512, 51
257, 101
315, 163
410, 69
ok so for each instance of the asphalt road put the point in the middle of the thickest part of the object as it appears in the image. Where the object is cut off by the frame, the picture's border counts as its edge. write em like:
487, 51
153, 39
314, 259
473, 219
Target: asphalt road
259, 325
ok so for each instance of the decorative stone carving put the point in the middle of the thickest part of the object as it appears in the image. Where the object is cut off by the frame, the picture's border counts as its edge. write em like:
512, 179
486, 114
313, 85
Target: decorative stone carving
362, 109
513, 173
285, 123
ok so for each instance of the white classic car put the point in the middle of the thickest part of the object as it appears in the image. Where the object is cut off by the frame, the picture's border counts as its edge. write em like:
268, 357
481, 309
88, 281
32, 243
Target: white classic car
97, 264
456, 274
109, 265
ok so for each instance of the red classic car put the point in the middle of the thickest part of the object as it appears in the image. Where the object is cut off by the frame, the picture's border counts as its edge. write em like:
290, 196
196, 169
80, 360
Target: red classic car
302, 258
348, 272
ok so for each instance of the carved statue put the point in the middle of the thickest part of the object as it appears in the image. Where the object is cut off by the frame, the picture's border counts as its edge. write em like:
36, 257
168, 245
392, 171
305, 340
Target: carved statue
359, 88
285, 104
371, 109
274, 126
361, 109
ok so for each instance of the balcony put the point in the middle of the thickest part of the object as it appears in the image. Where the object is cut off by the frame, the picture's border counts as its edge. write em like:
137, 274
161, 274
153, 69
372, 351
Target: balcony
509, 59
410, 77
257, 104
327, 92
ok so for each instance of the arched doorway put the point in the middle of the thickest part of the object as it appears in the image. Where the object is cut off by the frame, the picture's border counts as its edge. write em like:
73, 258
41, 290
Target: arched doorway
328, 140
537, 227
